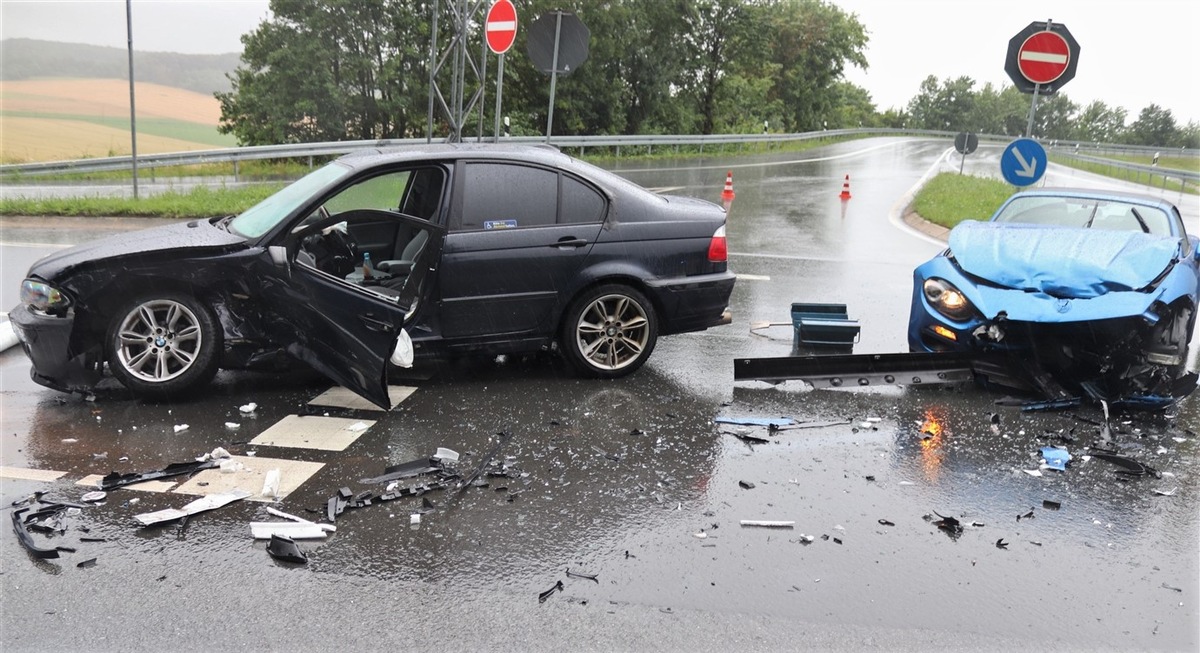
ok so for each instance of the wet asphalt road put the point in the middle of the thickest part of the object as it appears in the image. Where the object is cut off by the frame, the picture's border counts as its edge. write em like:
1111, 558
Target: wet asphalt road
631, 482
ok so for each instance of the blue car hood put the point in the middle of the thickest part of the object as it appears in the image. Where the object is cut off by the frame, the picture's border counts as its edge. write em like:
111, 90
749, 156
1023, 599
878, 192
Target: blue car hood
1061, 262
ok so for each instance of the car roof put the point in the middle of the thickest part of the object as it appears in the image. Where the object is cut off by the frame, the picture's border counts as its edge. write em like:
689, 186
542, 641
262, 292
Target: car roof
1101, 194
544, 154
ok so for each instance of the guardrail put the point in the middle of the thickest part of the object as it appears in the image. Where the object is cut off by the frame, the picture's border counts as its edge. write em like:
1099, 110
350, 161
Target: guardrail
1134, 172
312, 151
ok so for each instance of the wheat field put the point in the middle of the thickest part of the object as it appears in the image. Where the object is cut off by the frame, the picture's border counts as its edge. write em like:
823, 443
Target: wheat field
58, 119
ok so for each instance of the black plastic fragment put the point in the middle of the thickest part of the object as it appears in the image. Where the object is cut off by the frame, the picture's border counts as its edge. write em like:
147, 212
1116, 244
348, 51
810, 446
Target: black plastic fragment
21, 517
1001, 544
746, 485
884, 522
1130, 466
570, 574
558, 587
285, 549
406, 470
1051, 505
1052, 404
749, 439
1028, 515
116, 480
90, 562
952, 526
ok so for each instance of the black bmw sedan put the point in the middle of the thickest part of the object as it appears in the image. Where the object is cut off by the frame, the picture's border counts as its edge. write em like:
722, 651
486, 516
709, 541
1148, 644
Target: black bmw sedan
385, 256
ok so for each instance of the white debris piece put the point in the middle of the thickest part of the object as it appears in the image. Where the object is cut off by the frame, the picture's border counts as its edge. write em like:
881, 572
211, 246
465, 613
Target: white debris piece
270, 487
1166, 493
202, 504
358, 426
231, 466
69, 440
181, 427
216, 454
700, 536
1033, 472
248, 408
328, 528
232, 426
91, 497
262, 530
446, 454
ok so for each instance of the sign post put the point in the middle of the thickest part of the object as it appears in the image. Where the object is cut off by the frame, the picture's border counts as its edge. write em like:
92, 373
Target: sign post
1041, 59
501, 31
557, 44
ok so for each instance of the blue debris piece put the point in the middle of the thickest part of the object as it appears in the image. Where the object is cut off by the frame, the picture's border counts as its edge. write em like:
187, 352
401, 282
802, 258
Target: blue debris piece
1056, 458
756, 421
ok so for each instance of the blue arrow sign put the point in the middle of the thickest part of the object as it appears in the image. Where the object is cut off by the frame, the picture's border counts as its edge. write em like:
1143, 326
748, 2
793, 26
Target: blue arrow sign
1023, 162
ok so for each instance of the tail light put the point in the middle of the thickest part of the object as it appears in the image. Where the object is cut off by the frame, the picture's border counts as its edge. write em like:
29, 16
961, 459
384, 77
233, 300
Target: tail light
718, 250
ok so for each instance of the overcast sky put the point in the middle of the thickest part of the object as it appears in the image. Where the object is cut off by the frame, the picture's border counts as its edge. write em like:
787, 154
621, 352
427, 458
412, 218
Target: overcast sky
1133, 54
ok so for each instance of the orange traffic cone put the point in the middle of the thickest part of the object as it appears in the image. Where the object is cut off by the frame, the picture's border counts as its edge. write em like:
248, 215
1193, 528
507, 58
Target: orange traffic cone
845, 189
727, 194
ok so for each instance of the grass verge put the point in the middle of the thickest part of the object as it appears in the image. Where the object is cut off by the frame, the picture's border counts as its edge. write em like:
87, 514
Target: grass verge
1154, 180
200, 202
950, 198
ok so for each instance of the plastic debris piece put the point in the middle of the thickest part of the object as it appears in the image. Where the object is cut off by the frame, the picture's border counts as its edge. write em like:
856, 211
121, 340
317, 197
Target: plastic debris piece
1033, 472
1001, 544
90, 562
1056, 458
116, 480
231, 466
884, 522
700, 535
358, 426
1051, 505
22, 517
756, 421
762, 523
284, 549
1130, 466
270, 488
446, 454
403, 354
746, 485
232, 426
248, 408
405, 470
558, 587
749, 439
69, 440
414, 519
949, 524
92, 497
1166, 493
181, 427
1173, 589
261, 530
1028, 515
202, 504
592, 578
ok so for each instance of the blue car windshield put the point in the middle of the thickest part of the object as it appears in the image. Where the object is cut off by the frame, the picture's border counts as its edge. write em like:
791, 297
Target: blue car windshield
264, 216
1086, 213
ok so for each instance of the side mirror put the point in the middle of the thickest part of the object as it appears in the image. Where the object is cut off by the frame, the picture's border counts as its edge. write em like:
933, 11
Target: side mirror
279, 258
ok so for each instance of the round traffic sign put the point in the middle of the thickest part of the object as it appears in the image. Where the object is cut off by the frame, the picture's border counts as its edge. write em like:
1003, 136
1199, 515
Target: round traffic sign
1044, 57
501, 26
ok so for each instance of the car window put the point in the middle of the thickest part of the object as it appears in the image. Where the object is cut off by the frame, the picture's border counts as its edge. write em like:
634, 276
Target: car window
1086, 213
379, 192
580, 203
262, 217
506, 196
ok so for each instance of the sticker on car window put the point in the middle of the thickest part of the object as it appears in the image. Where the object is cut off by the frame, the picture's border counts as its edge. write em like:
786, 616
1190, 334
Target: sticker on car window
500, 224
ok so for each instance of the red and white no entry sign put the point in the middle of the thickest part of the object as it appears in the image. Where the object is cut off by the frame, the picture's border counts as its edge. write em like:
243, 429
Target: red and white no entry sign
1044, 57
501, 26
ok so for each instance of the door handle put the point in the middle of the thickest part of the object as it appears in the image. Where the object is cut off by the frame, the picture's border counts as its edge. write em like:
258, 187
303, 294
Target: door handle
375, 324
570, 241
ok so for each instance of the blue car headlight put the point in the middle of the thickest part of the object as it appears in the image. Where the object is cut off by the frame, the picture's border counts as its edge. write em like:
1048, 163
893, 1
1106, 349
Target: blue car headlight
946, 299
44, 297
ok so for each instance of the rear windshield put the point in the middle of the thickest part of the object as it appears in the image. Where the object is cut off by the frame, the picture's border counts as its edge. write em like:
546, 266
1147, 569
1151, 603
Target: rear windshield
1087, 213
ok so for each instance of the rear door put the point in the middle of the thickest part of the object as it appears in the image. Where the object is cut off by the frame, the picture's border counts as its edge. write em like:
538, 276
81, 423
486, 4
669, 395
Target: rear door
518, 236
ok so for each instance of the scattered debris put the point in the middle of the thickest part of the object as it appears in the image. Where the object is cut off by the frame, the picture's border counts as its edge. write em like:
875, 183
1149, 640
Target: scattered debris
1173, 589
1001, 544
700, 535
284, 549
747, 438
558, 587
1028, 515
445, 454
232, 426
90, 562
761, 523
248, 408
179, 428
92, 497
952, 526
1051, 505
270, 488
1055, 458
1166, 493
884, 522
746, 485
31, 515
756, 421
210, 502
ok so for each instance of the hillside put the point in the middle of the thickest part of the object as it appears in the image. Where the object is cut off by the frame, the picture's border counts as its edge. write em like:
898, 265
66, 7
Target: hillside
26, 59
56, 119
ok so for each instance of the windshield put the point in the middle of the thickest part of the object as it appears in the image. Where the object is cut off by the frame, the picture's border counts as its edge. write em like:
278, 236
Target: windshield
1087, 213
264, 216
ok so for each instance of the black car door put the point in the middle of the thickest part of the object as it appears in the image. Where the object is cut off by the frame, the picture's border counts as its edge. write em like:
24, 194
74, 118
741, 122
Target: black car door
347, 327
518, 234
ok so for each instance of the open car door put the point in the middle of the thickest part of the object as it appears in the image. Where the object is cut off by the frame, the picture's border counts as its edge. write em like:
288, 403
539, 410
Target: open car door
340, 323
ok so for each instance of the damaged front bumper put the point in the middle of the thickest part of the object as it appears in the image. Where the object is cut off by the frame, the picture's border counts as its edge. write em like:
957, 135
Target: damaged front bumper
46, 340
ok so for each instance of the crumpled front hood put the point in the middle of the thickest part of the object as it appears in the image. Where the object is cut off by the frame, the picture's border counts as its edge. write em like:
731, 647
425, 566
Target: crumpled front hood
197, 234
1061, 262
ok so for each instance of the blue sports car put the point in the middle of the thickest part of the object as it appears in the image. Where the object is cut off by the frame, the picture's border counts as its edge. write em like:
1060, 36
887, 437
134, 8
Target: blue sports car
1079, 293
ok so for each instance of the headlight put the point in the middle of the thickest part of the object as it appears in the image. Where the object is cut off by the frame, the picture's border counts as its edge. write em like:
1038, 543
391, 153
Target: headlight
947, 299
43, 297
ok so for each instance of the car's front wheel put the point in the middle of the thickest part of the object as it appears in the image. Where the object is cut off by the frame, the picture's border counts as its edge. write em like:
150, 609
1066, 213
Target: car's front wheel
609, 331
162, 345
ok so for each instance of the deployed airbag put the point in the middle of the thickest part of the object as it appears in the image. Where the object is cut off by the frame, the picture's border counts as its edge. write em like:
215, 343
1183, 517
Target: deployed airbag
1069, 263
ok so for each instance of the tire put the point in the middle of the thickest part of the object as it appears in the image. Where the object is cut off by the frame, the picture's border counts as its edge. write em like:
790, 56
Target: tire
609, 331
162, 345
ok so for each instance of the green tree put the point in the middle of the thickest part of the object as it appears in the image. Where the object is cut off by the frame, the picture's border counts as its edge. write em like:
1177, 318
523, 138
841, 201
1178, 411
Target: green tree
949, 105
1099, 123
1154, 126
1054, 117
321, 70
853, 107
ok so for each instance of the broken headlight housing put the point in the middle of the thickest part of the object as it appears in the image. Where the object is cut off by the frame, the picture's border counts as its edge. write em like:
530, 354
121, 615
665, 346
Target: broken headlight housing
43, 297
946, 299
